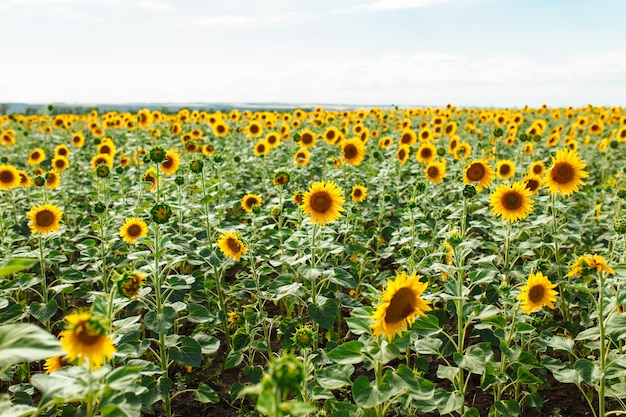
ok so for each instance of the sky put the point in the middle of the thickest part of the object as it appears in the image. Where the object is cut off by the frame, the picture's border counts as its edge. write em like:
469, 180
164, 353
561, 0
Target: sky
500, 53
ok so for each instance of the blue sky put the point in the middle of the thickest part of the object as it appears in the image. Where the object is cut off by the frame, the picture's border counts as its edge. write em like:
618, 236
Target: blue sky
501, 53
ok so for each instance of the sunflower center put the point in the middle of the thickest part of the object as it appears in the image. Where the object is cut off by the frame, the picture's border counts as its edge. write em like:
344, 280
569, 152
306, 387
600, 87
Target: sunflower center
307, 138
168, 163
252, 202
233, 245
7, 177
563, 173
221, 128
433, 172
350, 151
358, 193
505, 169
35, 155
532, 184
105, 149
330, 134
401, 153
62, 152
406, 138
453, 144
44, 218
537, 169
401, 306
87, 335
321, 202
476, 172
512, 200
60, 163
134, 230
426, 153
535, 294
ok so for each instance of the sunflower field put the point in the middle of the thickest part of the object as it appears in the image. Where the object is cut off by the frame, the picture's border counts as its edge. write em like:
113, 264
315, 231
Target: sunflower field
365, 262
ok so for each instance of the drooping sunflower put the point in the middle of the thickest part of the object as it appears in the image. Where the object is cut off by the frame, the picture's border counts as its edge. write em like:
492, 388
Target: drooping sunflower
537, 293
60, 163
322, 202
505, 169
231, 246
36, 157
587, 264
261, 148
533, 183
171, 162
249, 201
9, 177
566, 173
133, 229
353, 151
403, 154
426, 153
131, 284
85, 337
307, 138
151, 177
302, 157
53, 179
45, 219
401, 302
478, 171
359, 193
25, 180
436, 171
511, 201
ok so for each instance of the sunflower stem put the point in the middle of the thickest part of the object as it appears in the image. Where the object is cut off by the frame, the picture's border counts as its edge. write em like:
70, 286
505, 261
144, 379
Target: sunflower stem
44, 283
314, 283
206, 210
222, 303
259, 300
603, 347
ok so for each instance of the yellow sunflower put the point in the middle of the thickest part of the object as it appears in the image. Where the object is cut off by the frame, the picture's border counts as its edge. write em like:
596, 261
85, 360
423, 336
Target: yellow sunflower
302, 157
133, 229
231, 246
7, 139
25, 180
588, 264
463, 151
533, 183
62, 150
54, 363
403, 154
220, 128
254, 129
131, 284
171, 162
9, 177
401, 302
566, 173
511, 201
307, 138
107, 147
505, 169
385, 142
249, 201
478, 171
537, 292
323, 202
353, 151
36, 157
261, 148
150, 176
407, 138
78, 140
436, 171
60, 163
331, 135
85, 337
101, 159
426, 153
53, 179
272, 139
45, 219
359, 193
537, 168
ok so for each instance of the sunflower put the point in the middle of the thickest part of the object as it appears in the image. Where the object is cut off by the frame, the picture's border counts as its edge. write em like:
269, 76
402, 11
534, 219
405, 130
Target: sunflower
7, 139
403, 154
254, 129
281, 178
566, 173
453, 144
436, 171
249, 201
208, 150
505, 169
359, 193
537, 292
54, 363
450, 128
272, 139
101, 159
25, 180
298, 198
401, 302
36, 157
511, 201
9, 177
426, 153
161, 213
407, 138
537, 168
385, 142
62, 150
45, 219
585, 265
150, 176
463, 151
171, 162
85, 337
331, 135
133, 229
307, 138
231, 246
323, 202
533, 183
53, 179
426, 135
261, 148
130, 284
302, 157
60, 163
144, 117
478, 171
353, 151
220, 129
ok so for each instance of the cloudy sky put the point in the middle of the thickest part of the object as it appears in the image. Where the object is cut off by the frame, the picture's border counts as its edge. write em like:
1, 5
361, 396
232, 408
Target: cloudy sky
366, 52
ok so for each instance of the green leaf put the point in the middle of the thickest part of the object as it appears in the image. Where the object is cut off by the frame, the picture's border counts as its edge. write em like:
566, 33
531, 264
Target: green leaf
253, 373
334, 376
324, 314
475, 358
472, 412
206, 394
16, 265
615, 326
365, 395
43, 312
26, 343
359, 325
508, 408
189, 353
347, 353
427, 325
342, 278
233, 359
241, 339
197, 313
588, 371
160, 323
209, 344
447, 402
120, 378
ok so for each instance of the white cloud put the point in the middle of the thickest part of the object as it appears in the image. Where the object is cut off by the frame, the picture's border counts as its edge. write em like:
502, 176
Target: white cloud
148, 4
244, 21
379, 5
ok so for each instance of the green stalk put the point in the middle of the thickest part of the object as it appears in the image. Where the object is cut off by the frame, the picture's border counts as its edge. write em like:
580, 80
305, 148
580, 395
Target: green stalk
259, 301
44, 283
603, 347
222, 303
163, 357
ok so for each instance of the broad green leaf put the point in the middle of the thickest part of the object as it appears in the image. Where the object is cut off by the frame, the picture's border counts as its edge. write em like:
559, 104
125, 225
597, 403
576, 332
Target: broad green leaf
209, 344
206, 394
189, 353
324, 314
43, 312
347, 353
160, 323
615, 326
508, 408
365, 395
197, 313
26, 343
120, 378
233, 359
427, 325
475, 358
447, 402
588, 371
16, 265
253, 373
342, 278
335, 376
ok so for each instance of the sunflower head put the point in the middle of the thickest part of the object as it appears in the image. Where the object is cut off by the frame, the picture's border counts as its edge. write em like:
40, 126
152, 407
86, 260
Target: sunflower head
196, 166
131, 283
478, 172
85, 337
133, 229
505, 169
537, 293
45, 219
281, 178
359, 193
353, 151
161, 213
566, 173
511, 202
157, 154
170, 164
436, 171
249, 201
323, 202
9, 177
401, 302
231, 246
